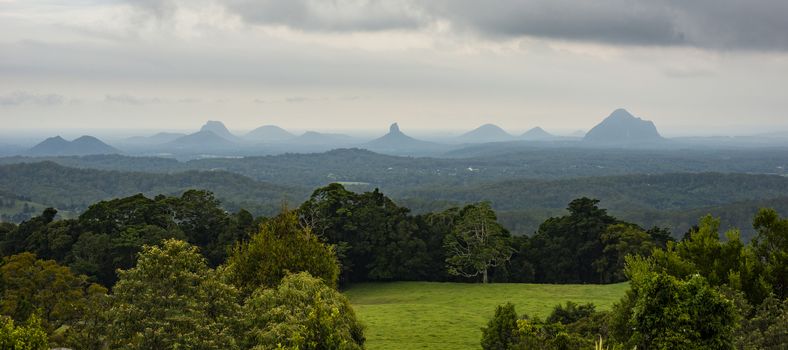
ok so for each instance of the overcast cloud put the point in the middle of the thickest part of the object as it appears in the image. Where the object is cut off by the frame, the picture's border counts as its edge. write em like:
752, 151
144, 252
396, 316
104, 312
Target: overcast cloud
705, 65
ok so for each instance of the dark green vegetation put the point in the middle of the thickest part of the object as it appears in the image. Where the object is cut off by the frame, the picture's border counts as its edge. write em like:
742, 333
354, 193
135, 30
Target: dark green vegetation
666, 200
208, 267
698, 293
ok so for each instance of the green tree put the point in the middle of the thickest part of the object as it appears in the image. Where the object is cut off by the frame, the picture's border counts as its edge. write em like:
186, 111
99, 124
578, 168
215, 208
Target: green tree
620, 240
301, 313
173, 300
770, 247
281, 247
501, 330
29, 336
477, 243
31, 286
565, 248
665, 312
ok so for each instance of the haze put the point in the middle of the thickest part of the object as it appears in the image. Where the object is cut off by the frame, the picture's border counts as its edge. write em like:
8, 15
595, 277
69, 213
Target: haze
695, 68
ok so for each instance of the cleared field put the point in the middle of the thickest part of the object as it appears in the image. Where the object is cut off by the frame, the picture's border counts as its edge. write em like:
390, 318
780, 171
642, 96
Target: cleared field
428, 315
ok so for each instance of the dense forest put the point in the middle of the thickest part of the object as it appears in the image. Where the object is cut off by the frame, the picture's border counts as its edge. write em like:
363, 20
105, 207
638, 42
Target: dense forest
672, 200
126, 266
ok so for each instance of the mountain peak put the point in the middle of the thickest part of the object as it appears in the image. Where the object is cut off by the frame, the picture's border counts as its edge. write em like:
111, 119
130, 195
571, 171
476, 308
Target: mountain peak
219, 129
84, 145
486, 133
536, 133
394, 129
622, 127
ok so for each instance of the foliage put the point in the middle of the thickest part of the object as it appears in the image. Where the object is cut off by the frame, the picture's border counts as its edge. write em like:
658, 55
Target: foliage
565, 248
663, 311
109, 234
477, 243
28, 336
281, 247
501, 331
382, 241
301, 313
43, 288
172, 300
770, 247
570, 313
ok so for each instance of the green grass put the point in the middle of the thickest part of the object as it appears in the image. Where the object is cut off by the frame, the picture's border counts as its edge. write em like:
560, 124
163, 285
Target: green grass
428, 315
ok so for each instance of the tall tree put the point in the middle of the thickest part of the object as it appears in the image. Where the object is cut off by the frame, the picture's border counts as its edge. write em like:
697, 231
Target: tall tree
477, 243
173, 300
301, 313
281, 247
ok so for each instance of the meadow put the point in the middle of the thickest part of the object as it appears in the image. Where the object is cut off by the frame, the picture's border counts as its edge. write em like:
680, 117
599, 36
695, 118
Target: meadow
430, 315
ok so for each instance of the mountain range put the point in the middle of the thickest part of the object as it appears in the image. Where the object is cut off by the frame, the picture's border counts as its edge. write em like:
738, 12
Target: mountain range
84, 145
619, 129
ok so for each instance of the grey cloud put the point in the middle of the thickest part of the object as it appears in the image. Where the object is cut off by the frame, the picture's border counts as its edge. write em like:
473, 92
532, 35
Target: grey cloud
18, 98
709, 24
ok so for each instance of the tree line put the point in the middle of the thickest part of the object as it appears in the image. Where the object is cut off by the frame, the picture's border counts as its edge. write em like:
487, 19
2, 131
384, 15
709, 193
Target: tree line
234, 276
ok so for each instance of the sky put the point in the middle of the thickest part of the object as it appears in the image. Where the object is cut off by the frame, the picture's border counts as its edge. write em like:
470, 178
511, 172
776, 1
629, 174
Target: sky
698, 67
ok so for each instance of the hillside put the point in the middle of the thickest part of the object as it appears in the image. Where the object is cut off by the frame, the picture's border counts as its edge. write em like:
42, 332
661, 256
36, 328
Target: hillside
397, 314
485, 133
84, 145
268, 133
74, 189
396, 142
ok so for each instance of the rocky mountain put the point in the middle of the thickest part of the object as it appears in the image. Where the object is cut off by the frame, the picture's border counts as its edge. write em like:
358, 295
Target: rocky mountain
268, 133
201, 140
84, 145
621, 127
485, 133
537, 134
396, 142
219, 129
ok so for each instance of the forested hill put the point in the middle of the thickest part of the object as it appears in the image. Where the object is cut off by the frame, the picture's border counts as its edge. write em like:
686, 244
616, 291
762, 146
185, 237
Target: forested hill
74, 189
669, 200
392, 173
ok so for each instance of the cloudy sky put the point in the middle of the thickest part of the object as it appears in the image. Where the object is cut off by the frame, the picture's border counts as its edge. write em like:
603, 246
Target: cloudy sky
693, 67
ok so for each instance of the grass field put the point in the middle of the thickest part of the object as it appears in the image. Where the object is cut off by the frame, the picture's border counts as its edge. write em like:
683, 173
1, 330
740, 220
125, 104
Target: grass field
428, 315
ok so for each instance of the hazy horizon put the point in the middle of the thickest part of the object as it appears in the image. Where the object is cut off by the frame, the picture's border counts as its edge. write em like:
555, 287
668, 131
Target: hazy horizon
359, 65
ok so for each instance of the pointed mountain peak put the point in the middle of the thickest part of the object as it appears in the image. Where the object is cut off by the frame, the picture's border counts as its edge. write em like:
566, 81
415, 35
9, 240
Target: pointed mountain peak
621, 113
622, 127
394, 129
486, 133
219, 129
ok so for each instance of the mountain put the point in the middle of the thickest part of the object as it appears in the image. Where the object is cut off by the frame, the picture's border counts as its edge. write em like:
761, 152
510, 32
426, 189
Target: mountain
157, 139
537, 134
219, 129
485, 133
200, 141
316, 138
268, 133
84, 145
621, 127
396, 142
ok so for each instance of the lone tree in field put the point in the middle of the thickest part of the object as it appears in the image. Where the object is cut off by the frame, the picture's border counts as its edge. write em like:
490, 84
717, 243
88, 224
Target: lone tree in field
477, 243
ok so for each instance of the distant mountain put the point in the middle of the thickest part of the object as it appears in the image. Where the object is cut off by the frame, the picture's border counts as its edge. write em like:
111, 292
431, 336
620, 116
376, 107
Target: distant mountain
84, 145
396, 142
200, 141
578, 133
157, 139
219, 129
268, 133
485, 133
621, 127
537, 134
316, 138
